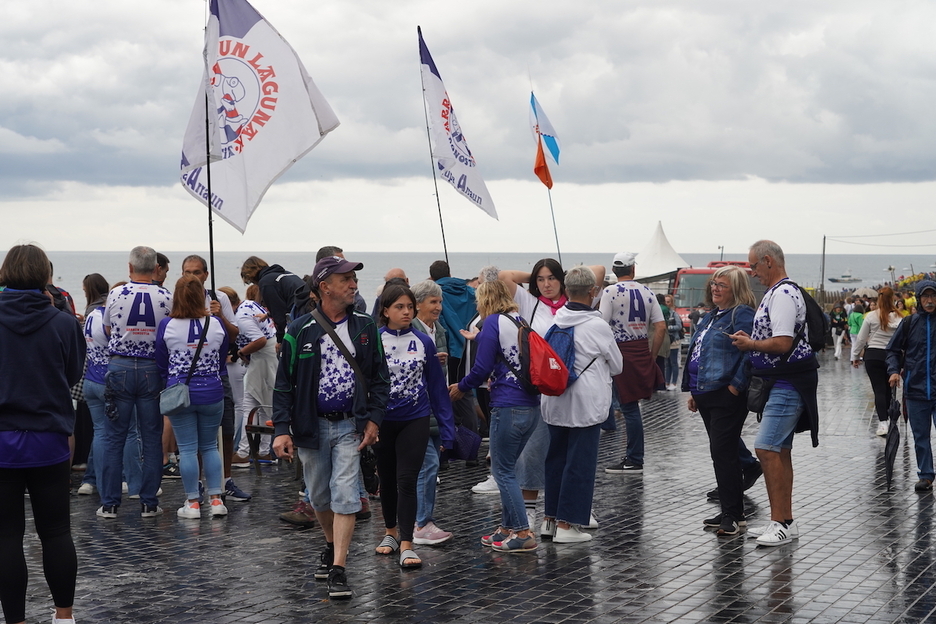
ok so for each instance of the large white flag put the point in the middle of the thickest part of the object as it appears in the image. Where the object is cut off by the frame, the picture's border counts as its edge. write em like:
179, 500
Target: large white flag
265, 113
452, 158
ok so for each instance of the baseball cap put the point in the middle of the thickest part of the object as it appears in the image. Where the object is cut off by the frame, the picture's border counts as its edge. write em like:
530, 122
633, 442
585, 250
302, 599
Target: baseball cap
624, 259
330, 265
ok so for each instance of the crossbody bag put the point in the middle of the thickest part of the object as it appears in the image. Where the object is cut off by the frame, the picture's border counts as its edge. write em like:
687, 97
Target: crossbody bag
176, 398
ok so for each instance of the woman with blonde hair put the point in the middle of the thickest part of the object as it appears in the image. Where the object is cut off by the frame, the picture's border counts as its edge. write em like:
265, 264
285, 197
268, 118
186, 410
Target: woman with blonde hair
716, 376
514, 411
875, 333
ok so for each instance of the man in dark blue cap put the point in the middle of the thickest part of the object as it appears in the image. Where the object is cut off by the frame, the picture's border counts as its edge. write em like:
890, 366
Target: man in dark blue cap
911, 353
331, 392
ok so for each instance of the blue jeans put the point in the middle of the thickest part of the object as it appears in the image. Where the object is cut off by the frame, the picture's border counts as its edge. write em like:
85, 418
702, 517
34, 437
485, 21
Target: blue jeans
196, 431
134, 383
531, 465
426, 483
132, 460
511, 427
633, 425
333, 471
921, 415
570, 472
672, 367
778, 422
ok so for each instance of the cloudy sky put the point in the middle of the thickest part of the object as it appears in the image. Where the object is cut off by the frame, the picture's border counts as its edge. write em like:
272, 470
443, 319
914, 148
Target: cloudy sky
728, 121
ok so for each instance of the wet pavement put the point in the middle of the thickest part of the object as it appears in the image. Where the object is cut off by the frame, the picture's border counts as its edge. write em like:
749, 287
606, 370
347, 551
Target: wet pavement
865, 554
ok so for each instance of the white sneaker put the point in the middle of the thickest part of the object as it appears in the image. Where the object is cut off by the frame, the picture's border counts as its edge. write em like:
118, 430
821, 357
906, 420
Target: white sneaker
217, 507
777, 534
592, 522
881, 430
548, 530
190, 510
124, 488
571, 535
488, 486
531, 518
87, 489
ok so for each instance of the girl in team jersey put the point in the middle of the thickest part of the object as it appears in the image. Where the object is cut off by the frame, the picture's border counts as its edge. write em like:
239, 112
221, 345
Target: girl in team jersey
417, 387
196, 427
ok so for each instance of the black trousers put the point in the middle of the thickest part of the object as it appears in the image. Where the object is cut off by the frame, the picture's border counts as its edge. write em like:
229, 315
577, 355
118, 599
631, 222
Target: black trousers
723, 414
400, 454
877, 373
48, 494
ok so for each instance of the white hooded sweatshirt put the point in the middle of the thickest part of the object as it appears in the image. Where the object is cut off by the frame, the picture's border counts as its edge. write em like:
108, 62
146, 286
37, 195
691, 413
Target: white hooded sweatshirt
586, 402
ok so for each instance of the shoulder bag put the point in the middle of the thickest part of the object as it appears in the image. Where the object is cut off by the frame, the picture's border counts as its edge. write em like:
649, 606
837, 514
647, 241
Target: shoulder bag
175, 398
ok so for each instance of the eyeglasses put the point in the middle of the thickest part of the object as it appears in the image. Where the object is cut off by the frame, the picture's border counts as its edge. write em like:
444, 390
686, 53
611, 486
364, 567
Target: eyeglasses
754, 265
719, 286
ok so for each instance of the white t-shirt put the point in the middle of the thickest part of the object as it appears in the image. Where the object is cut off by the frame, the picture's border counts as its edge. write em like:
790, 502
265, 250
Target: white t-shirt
133, 313
226, 310
535, 312
782, 312
250, 326
630, 308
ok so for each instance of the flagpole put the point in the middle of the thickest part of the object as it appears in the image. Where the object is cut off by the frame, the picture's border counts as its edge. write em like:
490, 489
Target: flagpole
435, 182
208, 184
555, 231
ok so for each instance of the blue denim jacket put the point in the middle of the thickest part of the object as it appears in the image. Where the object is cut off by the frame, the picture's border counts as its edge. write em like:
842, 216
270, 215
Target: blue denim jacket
720, 363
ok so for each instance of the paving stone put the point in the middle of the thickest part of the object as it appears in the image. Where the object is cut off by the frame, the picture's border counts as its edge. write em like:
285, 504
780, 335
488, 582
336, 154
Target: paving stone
865, 553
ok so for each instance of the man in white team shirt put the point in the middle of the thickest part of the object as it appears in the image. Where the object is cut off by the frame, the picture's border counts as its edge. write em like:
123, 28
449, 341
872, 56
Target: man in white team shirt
638, 326
131, 316
779, 350
220, 307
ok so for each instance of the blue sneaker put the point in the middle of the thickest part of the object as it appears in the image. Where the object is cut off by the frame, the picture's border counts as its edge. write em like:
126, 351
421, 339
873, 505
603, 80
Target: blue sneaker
232, 492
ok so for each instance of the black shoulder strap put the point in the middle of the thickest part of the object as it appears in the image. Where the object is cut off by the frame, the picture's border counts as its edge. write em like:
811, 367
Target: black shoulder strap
327, 326
201, 343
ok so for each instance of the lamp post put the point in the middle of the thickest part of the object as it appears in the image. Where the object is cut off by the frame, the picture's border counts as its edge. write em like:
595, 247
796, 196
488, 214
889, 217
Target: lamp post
721, 254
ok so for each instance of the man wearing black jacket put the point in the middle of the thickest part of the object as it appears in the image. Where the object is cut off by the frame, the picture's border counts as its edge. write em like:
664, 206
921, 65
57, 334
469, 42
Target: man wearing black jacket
911, 353
330, 411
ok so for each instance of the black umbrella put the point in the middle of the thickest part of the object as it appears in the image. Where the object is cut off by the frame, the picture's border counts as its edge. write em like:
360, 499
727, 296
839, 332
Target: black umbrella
893, 440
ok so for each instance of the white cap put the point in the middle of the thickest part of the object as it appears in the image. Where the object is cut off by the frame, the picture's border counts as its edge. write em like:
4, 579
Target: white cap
624, 259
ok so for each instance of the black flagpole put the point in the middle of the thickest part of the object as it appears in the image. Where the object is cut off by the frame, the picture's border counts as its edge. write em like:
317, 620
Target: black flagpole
432, 160
208, 184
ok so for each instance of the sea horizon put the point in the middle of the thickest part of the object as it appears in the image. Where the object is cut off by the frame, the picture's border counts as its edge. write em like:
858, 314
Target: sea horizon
70, 267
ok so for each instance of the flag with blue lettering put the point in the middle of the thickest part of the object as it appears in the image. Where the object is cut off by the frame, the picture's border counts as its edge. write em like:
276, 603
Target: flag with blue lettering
542, 129
450, 154
264, 113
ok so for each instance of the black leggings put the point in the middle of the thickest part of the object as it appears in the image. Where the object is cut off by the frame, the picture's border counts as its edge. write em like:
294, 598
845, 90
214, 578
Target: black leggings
877, 373
49, 497
400, 454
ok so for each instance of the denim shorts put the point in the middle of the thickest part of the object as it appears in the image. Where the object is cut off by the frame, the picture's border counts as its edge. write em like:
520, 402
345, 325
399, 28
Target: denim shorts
778, 422
333, 471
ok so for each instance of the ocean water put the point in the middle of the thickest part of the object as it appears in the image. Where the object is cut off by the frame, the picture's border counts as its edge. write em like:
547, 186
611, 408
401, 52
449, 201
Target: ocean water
71, 267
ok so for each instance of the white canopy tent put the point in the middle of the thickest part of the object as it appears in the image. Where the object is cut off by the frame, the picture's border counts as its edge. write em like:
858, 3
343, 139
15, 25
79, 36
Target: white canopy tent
658, 260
